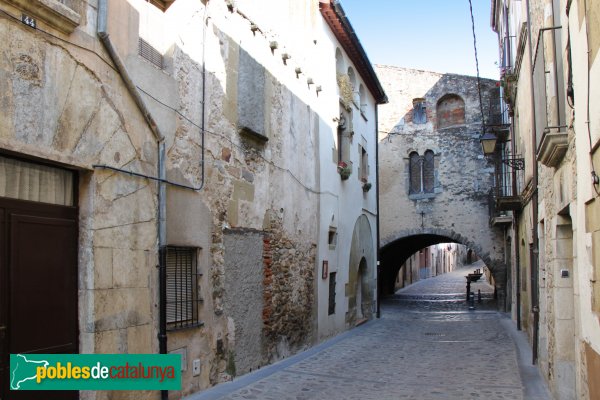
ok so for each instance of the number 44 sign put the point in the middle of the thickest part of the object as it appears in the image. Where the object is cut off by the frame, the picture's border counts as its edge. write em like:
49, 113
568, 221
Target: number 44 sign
27, 20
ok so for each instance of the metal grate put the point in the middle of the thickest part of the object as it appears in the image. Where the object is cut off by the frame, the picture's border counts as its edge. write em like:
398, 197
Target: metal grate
332, 276
145, 50
183, 299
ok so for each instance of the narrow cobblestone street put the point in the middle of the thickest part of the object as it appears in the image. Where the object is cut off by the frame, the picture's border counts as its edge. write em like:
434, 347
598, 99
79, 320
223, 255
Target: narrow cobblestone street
426, 345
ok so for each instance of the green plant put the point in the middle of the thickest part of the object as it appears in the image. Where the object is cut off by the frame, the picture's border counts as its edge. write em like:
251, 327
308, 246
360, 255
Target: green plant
344, 170
509, 85
346, 89
230, 368
367, 186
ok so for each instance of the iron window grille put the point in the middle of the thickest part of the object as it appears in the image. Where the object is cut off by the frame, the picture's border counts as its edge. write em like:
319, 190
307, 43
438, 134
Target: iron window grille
183, 297
331, 309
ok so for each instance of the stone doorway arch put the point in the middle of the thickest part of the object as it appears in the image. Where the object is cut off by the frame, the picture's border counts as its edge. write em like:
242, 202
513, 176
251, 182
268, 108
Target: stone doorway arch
360, 289
363, 305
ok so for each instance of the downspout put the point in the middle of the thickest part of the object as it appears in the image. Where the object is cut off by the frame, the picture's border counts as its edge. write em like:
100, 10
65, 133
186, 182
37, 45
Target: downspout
534, 204
377, 205
161, 196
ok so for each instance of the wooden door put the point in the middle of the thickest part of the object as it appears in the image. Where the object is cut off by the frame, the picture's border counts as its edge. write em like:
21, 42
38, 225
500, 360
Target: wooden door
38, 284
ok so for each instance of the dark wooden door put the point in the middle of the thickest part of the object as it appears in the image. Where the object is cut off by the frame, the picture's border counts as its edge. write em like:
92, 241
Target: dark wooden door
38, 284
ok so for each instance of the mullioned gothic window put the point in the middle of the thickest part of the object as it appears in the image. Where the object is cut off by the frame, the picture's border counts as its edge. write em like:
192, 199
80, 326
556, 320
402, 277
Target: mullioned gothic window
422, 172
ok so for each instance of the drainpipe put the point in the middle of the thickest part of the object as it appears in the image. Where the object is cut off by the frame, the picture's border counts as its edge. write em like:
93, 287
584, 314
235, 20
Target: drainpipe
161, 198
517, 269
534, 204
377, 201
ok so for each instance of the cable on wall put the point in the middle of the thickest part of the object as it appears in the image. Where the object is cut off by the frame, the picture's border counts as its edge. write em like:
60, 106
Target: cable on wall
477, 66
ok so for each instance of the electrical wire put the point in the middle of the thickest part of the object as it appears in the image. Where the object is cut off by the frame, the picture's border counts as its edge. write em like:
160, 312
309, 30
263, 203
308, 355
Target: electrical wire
477, 66
109, 64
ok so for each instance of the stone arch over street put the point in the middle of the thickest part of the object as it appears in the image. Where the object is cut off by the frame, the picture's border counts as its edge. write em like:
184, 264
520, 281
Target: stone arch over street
397, 248
453, 207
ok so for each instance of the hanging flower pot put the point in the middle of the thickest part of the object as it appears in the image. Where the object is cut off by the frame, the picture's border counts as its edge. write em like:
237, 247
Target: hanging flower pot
344, 170
366, 186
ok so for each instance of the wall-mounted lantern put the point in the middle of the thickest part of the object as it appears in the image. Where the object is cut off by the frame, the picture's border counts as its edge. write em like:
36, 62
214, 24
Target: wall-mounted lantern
488, 143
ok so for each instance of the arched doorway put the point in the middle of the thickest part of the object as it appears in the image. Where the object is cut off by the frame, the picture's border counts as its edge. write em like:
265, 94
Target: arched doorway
363, 305
360, 288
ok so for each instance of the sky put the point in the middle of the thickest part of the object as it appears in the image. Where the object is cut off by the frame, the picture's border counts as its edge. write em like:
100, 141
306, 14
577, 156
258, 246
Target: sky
432, 35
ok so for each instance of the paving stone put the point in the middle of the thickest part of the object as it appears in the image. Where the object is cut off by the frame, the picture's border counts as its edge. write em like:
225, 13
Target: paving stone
423, 347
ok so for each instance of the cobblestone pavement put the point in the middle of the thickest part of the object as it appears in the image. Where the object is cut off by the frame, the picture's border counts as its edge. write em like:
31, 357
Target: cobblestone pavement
427, 345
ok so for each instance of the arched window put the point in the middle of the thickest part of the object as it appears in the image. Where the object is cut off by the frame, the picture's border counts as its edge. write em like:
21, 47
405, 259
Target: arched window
352, 78
339, 61
421, 172
419, 111
450, 111
428, 172
415, 172
353, 85
362, 98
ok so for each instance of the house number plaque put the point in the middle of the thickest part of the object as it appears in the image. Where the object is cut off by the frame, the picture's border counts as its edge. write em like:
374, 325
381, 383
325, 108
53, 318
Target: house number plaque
29, 21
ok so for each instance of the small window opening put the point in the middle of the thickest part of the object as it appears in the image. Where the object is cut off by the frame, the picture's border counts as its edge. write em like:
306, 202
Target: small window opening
183, 297
419, 111
332, 238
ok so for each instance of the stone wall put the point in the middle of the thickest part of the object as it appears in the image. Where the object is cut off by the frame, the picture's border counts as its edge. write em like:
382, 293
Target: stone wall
242, 129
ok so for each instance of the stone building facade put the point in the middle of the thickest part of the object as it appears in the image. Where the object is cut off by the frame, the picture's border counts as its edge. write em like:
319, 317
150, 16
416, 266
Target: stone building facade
202, 137
435, 182
550, 79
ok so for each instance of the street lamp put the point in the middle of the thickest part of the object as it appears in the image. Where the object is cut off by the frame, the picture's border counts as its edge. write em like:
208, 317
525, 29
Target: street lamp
488, 143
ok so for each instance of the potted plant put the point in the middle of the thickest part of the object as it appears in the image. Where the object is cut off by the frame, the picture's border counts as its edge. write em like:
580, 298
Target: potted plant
346, 89
509, 83
344, 170
366, 186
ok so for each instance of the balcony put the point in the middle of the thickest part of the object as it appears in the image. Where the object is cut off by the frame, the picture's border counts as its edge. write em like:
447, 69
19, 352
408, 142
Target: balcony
509, 183
498, 119
497, 217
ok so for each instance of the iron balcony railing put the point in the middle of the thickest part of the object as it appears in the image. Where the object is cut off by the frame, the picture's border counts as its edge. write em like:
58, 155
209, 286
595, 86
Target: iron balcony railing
509, 182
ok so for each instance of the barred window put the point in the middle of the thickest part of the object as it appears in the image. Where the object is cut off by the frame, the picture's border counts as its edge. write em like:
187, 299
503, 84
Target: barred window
183, 297
332, 276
